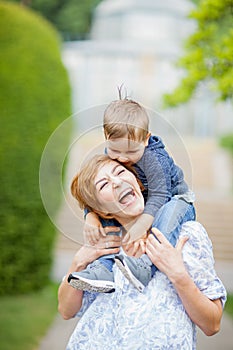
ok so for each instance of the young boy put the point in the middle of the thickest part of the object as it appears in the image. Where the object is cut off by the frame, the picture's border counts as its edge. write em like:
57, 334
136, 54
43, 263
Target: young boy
169, 202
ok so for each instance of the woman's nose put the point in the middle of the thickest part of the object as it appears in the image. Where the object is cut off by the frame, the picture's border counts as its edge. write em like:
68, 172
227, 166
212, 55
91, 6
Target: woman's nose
116, 181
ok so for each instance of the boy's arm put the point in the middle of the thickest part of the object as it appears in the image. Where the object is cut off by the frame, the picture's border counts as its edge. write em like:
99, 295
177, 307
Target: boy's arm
157, 170
92, 228
139, 228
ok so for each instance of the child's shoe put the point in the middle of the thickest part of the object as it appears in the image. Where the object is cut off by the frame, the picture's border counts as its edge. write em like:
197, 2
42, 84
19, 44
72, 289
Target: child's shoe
136, 270
95, 278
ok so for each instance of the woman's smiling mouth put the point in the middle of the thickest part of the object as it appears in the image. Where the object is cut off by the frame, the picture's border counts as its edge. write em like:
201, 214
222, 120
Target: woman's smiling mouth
127, 196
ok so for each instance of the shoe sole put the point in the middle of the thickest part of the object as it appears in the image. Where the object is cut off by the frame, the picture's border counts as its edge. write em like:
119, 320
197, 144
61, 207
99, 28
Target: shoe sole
128, 274
81, 283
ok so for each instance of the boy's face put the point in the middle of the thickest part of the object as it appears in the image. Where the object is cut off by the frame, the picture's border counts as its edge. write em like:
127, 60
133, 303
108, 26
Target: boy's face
126, 151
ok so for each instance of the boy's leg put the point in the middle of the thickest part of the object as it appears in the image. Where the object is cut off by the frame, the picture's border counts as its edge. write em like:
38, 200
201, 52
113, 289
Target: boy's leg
137, 270
171, 216
95, 278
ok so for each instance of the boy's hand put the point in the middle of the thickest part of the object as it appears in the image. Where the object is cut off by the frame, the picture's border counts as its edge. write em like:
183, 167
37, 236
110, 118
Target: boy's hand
133, 235
138, 229
93, 229
136, 248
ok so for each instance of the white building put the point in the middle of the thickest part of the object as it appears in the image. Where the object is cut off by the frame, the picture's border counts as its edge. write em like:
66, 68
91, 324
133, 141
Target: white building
136, 43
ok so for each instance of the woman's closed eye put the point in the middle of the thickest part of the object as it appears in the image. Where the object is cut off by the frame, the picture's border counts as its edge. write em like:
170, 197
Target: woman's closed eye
103, 185
120, 171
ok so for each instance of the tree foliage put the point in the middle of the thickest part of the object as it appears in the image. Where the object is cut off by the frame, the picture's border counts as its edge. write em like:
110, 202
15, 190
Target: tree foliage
208, 53
72, 18
227, 142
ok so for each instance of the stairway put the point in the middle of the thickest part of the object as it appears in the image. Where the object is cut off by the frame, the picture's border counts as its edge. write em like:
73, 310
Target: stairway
217, 218
214, 198
212, 178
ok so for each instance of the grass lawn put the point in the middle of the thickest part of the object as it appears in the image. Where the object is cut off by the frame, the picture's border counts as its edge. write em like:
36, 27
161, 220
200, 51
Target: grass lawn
229, 305
24, 319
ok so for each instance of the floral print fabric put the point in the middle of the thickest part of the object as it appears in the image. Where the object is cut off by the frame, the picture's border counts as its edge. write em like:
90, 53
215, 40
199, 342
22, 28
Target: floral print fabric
154, 319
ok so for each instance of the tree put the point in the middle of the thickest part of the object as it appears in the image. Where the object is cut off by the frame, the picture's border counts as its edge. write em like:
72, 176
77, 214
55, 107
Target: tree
209, 53
72, 18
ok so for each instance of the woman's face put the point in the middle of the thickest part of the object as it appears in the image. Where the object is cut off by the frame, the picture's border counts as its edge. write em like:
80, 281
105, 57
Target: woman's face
118, 192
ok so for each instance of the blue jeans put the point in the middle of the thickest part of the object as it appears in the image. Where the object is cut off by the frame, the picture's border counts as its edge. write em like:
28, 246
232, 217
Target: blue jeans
171, 216
168, 220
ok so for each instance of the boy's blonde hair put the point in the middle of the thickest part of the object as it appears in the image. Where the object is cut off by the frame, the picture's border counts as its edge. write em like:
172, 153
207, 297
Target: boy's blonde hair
126, 117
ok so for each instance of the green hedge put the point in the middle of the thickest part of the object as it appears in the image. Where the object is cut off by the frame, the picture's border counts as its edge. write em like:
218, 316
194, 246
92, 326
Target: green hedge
34, 100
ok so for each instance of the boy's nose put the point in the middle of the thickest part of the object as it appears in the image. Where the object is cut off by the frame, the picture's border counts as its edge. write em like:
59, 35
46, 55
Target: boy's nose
122, 159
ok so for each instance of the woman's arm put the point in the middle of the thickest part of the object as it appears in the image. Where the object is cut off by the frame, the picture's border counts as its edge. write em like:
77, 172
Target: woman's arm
69, 298
203, 312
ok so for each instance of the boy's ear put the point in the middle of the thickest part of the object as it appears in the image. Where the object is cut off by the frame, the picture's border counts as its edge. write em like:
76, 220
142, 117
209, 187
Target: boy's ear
147, 138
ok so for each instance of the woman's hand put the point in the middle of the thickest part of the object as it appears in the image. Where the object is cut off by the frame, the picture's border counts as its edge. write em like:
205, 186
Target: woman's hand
205, 313
110, 244
69, 298
167, 258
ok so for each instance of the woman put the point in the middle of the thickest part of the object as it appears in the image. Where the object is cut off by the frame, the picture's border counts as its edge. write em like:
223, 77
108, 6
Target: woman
184, 292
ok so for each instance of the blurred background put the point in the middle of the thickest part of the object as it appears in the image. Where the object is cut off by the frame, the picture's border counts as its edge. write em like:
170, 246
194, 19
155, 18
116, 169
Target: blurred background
62, 62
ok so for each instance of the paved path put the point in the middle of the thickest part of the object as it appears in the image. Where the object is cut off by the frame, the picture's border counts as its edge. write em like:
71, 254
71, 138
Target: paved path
58, 336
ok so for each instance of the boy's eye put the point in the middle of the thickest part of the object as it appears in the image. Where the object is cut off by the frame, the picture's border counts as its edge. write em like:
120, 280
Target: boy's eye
112, 150
131, 152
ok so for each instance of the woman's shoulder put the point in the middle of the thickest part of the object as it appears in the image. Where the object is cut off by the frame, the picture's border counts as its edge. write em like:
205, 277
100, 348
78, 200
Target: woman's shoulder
193, 228
198, 237
199, 260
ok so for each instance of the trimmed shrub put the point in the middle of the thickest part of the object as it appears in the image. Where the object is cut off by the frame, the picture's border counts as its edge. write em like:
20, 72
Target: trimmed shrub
34, 100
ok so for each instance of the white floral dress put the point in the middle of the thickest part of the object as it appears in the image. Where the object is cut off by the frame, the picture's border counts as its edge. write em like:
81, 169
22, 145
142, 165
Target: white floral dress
154, 319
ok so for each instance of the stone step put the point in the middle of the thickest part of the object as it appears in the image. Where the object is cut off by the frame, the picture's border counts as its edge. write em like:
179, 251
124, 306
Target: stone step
217, 218
214, 205
220, 231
